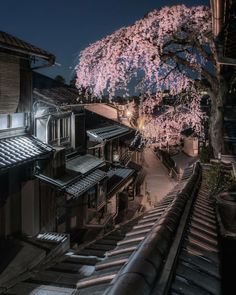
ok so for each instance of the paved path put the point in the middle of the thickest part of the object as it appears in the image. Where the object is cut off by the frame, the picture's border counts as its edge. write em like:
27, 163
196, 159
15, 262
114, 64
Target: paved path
157, 182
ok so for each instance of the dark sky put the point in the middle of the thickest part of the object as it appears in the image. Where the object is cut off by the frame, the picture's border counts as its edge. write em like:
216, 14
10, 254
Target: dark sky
65, 27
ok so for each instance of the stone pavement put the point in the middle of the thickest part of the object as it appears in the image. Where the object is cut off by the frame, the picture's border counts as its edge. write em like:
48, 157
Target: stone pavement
182, 161
157, 182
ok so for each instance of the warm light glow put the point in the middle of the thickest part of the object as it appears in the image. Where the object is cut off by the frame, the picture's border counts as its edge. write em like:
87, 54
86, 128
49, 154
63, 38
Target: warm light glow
116, 157
128, 113
141, 123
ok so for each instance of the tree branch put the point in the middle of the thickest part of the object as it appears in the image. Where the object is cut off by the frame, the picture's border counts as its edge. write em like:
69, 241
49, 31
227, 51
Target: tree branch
184, 62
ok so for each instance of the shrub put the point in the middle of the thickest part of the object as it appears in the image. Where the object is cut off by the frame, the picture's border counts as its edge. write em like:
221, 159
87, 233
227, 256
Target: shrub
218, 179
206, 154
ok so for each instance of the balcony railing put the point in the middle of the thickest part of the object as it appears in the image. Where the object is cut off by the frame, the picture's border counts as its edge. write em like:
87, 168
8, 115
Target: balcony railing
125, 158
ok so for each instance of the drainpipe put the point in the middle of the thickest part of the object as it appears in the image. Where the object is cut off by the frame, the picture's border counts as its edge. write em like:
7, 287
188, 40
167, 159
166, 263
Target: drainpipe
48, 120
103, 149
50, 63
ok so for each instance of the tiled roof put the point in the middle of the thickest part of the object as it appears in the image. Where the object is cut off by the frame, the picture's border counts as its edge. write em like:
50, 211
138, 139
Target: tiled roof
104, 110
49, 90
135, 166
58, 95
52, 237
108, 268
35, 289
73, 266
13, 43
153, 241
107, 132
82, 185
20, 149
117, 177
143, 268
83, 164
121, 172
171, 249
197, 270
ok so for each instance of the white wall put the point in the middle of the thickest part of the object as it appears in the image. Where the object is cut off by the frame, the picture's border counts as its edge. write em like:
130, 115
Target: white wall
191, 146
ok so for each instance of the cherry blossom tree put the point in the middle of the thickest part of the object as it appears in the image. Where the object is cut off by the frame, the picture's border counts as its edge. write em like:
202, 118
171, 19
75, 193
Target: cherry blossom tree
169, 50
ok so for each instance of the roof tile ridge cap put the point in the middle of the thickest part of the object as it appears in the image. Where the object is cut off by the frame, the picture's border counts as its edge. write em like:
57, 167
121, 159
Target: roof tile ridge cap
117, 227
134, 269
29, 47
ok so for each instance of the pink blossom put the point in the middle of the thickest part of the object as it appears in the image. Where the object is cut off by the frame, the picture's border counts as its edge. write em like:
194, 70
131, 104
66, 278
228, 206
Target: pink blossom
169, 47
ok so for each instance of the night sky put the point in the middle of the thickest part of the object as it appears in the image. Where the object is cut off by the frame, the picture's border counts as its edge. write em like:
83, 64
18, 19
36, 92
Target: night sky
65, 27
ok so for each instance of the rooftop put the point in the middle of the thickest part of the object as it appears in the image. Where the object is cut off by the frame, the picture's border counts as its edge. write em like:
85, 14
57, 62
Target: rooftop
51, 91
13, 43
84, 164
104, 110
170, 249
117, 177
79, 187
21, 149
108, 132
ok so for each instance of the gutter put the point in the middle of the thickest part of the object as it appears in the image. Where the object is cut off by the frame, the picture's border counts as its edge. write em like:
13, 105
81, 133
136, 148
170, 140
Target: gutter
55, 182
50, 57
100, 139
47, 128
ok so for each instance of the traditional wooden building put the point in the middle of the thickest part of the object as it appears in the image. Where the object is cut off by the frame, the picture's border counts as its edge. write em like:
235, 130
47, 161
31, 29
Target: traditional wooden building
223, 26
72, 174
20, 152
113, 142
85, 178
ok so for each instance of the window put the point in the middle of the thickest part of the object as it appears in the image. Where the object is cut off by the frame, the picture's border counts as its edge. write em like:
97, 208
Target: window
15, 120
60, 131
92, 198
101, 194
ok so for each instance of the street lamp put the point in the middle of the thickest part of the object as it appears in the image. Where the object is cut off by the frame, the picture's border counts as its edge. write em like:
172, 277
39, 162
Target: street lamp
128, 114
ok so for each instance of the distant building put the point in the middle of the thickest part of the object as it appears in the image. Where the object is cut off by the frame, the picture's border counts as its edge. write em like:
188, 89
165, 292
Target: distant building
88, 176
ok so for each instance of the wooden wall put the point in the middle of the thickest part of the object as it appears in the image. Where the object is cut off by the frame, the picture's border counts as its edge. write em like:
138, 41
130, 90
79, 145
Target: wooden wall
9, 83
25, 87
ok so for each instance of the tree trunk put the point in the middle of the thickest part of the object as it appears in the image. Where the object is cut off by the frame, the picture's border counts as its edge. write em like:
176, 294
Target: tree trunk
216, 120
216, 129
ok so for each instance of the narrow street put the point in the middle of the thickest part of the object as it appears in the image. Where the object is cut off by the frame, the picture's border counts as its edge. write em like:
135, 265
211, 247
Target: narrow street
157, 182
